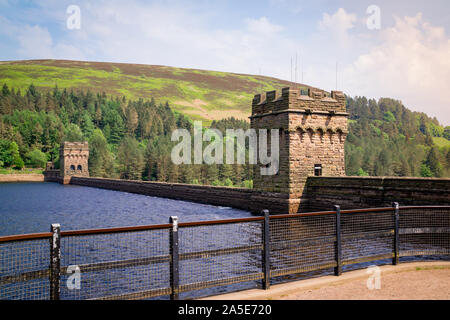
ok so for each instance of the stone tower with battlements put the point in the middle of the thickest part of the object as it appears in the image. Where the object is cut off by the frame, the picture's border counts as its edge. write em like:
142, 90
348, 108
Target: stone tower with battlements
73, 157
313, 129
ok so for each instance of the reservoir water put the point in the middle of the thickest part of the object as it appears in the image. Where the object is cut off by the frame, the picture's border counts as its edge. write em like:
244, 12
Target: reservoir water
33, 207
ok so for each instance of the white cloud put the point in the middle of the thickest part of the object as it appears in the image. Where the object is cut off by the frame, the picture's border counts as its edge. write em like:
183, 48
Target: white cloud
338, 25
411, 64
179, 36
340, 21
35, 41
262, 26
408, 61
334, 41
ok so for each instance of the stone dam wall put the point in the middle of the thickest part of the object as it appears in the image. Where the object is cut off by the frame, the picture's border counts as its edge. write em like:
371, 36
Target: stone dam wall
240, 198
321, 193
366, 192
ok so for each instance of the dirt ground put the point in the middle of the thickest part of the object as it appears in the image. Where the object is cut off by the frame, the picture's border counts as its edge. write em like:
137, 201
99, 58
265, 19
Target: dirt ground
417, 284
422, 280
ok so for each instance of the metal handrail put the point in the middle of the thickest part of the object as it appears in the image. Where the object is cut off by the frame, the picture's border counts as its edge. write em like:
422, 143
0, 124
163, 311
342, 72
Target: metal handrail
174, 255
44, 235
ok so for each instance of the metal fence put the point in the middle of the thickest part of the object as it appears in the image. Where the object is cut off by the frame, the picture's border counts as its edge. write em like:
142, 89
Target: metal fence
169, 259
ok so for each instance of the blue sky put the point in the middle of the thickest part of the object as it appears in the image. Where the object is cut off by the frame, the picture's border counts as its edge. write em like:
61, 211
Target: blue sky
408, 58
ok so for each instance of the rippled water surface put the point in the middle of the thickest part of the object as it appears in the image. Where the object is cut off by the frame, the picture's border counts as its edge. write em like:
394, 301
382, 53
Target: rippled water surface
32, 207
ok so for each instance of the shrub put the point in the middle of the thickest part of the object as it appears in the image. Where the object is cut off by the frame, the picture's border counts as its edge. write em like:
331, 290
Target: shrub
425, 171
362, 173
18, 163
36, 158
247, 184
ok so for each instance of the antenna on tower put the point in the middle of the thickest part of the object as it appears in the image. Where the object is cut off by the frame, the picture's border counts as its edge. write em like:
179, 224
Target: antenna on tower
301, 63
260, 80
291, 68
336, 75
296, 67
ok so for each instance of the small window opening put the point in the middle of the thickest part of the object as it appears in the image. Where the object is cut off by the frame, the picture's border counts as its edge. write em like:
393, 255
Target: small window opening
317, 170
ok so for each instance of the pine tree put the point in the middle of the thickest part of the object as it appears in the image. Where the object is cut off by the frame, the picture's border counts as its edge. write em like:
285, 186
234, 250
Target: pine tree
433, 163
187, 173
174, 175
5, 90
212, 173
405, 169
130, 158
100, 159
73, 134
225, 172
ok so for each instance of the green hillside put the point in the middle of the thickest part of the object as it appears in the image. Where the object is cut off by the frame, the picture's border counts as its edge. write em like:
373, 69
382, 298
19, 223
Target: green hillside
127, 113
201, 94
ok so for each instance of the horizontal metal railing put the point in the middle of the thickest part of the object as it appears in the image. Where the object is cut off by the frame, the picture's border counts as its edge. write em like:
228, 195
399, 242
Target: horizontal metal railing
296, 243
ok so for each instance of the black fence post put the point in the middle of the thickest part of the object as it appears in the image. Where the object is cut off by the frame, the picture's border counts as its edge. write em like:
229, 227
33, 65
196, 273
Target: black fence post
174, 262
338, 268
55, 261
266, 250
395, 259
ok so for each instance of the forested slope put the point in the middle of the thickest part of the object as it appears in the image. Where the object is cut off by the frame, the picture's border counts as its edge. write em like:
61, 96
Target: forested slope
131, 139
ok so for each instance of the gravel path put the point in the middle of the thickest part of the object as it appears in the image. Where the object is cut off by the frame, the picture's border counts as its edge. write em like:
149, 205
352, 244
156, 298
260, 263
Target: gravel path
419, 284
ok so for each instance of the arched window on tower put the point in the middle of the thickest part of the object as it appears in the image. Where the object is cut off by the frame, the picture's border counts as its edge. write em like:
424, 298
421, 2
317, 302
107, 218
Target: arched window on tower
72, 167
79, 168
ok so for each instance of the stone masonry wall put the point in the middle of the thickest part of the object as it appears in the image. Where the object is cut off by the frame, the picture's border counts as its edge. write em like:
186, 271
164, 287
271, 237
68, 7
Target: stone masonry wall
313, 130
51, 175
365, 192
74, 159
321, 193
240, 198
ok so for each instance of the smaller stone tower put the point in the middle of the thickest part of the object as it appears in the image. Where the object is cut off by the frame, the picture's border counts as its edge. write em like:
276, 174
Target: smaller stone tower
73, 157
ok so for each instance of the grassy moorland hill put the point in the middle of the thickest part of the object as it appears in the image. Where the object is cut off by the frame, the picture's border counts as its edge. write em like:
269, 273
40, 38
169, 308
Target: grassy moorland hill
129, 128
200, 94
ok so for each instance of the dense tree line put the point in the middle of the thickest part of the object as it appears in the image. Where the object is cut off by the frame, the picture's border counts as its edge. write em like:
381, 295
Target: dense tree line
127, 139
387, 139
131, 139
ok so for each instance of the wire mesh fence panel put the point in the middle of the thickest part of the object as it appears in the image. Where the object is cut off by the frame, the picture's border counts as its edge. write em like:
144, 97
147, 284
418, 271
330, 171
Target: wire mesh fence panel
118, 264
124, 265
24, 269
300, 244
219, 254
367, 236
424, 231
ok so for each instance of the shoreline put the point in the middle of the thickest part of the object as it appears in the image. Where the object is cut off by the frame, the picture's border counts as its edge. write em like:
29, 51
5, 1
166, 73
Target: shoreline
21, 177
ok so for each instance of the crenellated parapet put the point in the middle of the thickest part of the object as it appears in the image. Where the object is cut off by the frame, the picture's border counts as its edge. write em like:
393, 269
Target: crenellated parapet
317, 101
78, 147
